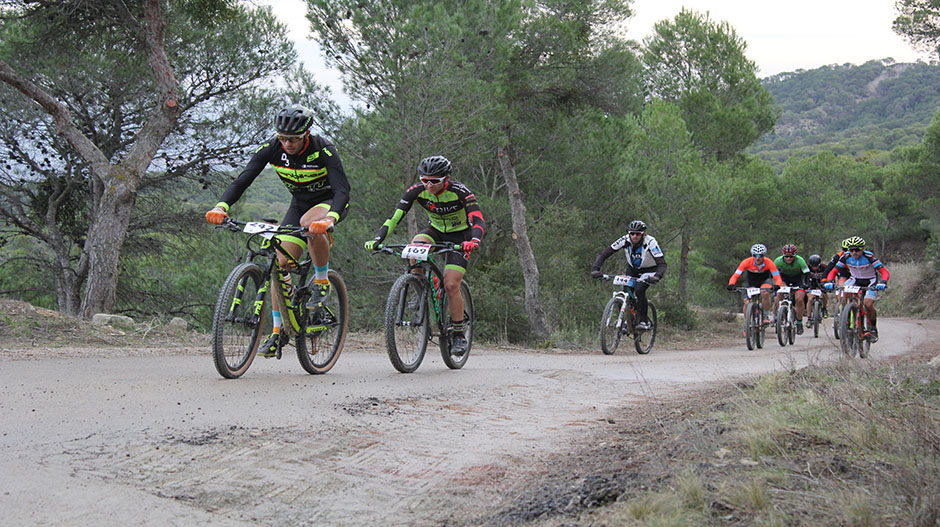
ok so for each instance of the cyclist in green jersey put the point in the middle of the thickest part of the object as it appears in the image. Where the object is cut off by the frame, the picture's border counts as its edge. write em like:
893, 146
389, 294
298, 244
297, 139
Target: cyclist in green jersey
453, 216
795, 273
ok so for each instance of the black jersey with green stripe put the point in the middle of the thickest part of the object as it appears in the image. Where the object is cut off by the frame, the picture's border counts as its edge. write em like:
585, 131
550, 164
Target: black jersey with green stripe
313, 175
454, 209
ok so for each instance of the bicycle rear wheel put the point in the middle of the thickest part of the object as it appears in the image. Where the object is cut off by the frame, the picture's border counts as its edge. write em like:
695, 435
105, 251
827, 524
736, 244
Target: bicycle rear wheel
643, 340
323, 329
446, 340
847, 328
610, 326
240, 320
406, 323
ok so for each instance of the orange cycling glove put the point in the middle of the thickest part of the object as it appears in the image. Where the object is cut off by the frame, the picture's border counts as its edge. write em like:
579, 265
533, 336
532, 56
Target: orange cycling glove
320, 226
216, 216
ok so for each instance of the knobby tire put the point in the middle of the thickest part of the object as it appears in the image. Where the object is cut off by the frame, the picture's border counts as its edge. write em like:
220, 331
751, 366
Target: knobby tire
236, 331
407, 324
643, 340
319, 348
847, 328
610, 329
446, 338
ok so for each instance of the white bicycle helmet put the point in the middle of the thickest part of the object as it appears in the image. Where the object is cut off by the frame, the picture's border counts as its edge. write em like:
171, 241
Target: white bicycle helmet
758, 249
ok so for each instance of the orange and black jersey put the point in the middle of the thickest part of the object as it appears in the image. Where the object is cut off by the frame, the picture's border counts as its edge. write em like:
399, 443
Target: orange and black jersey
453, 209
766, 269
313, 175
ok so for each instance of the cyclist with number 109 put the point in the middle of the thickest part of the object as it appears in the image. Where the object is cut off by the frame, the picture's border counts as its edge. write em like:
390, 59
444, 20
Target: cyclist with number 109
309, 166
453, 216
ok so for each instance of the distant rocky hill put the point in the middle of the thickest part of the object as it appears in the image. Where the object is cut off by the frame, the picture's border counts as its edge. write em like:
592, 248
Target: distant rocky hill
850, 109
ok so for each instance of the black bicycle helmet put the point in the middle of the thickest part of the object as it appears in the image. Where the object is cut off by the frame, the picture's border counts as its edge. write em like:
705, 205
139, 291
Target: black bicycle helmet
814, 260
637, 226
434, 166
293, 120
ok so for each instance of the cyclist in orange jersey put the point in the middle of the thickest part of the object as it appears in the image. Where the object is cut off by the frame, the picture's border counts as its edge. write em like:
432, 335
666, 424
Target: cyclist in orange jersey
761, 272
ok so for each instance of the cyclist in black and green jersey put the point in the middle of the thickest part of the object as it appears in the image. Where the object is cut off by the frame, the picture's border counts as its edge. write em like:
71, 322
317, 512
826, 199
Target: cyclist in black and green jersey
795, 273
309, 166
453, 216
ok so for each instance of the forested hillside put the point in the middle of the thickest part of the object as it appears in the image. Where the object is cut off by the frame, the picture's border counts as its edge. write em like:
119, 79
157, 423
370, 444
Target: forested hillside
849, 109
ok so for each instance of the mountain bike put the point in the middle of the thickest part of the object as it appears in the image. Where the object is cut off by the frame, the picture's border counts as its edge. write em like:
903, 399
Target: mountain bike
786, 317
416, 309
242, 317
753, 316
620, 318
815, 317
854, 323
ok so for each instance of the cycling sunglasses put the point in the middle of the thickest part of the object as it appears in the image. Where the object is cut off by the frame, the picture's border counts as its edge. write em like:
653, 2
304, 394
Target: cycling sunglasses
432, 180
636, 232
856, 249
289, 138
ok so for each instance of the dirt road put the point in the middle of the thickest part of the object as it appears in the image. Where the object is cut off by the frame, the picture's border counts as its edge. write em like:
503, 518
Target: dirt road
161, 439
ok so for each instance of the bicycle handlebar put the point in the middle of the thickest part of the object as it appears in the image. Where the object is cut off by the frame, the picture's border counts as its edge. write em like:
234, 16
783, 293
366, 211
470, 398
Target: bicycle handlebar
236, 226
612, 276
437, 248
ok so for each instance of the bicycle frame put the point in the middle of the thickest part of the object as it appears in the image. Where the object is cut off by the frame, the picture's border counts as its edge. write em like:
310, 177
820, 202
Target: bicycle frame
417, 296
754, 330
269, 251
856, 334
628, 301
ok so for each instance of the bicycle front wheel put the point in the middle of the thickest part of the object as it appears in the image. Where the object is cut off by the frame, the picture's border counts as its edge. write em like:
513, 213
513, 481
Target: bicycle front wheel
783, 315
837, 321
643, 340
454, 362
864, 341
751, 322
241, 319
848, 321
610, 326
324, 329
406, 323
817, 316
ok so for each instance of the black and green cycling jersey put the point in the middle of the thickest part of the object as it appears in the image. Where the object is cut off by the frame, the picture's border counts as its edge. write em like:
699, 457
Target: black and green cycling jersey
313, 175
454, 209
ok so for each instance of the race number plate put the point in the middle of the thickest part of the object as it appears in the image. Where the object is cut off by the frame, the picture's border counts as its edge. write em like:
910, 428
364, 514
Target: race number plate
784, 289
267, 230
416, 251
753, 291
622, 279
815, 292
852, 289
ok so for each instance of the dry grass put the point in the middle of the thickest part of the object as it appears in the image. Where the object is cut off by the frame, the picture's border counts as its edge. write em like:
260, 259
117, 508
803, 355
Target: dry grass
852, 444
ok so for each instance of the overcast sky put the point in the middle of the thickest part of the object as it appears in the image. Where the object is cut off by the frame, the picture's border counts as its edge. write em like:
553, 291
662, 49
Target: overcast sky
780, 36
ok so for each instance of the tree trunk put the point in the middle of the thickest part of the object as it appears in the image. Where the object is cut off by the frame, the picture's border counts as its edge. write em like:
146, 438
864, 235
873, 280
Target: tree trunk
684, 267
116, 184
520, 235
103, 247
